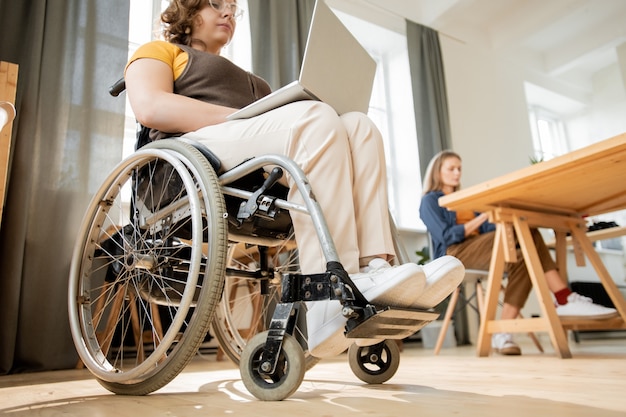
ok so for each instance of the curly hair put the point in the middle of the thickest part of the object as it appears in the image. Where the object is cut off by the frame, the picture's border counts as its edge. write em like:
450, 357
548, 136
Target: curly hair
178, 18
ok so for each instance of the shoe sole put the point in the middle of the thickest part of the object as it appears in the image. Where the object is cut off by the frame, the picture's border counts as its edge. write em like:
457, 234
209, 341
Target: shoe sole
603, 316
510, 351
445, 274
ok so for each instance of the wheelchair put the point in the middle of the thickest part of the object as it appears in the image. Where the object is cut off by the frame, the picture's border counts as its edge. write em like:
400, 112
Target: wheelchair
171, 246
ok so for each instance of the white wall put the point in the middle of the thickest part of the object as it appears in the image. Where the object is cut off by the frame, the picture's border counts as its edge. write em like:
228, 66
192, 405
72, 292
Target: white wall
488, 111
605, 115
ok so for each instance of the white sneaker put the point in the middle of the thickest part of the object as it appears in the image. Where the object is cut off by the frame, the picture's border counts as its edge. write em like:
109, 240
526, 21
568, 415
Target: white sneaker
443, 275
581, 307
325, 327
383, 285
399, 296
503, 344
397, 286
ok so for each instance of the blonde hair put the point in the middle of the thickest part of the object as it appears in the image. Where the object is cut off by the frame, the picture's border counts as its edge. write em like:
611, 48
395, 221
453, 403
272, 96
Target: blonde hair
432, 178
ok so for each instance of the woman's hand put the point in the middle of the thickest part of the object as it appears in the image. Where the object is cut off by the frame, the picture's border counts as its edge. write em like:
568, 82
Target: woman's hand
482, 217
475, 223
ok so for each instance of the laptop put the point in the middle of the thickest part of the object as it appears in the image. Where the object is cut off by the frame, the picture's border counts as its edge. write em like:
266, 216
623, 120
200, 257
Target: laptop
336, 69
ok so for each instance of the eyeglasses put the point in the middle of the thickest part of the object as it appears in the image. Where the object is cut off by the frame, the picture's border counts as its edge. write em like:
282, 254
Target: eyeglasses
221, 6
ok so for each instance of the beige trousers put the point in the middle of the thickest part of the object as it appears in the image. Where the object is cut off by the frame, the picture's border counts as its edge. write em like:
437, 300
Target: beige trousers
343, 159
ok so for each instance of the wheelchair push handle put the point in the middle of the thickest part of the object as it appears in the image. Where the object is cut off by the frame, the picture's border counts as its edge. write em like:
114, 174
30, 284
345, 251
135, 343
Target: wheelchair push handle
117, 87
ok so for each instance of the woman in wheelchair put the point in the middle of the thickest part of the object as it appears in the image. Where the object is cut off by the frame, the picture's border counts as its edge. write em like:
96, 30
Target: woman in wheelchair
183, 87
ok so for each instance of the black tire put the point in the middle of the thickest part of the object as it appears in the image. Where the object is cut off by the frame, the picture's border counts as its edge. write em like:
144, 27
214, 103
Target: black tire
374, 364
287, 377
144, 281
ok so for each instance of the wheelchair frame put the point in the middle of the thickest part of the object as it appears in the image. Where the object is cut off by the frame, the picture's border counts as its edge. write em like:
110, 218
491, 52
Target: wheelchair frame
272, 363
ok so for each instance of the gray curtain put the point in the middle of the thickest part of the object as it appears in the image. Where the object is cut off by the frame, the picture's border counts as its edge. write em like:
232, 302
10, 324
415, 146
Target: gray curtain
279, 32
67, 136
429, 92
431, 115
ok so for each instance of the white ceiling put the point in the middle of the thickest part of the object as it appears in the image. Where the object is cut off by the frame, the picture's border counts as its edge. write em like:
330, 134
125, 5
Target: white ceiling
568, 41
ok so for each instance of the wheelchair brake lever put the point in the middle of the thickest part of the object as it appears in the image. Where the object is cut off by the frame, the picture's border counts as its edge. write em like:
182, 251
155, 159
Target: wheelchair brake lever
248, 208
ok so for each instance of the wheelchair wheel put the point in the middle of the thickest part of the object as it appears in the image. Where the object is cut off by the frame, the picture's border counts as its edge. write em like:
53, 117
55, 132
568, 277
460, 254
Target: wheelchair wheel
141, 292
252, 288
374, 364
286, 378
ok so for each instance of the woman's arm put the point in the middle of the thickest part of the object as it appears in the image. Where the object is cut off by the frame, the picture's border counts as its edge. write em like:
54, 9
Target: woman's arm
474, 224
149, 86
440, 222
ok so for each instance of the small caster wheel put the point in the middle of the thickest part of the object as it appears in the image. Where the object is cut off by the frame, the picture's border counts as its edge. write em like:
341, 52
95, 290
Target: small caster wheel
286, 378
374, 364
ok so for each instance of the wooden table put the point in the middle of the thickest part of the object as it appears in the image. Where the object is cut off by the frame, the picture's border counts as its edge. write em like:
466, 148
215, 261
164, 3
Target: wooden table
595, 235
554, 194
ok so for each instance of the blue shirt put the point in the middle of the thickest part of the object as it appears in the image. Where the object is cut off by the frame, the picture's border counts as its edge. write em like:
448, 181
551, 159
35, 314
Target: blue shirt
441, 224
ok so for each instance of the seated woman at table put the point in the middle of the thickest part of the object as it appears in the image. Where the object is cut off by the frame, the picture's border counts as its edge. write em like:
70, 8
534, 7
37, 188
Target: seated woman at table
469, 237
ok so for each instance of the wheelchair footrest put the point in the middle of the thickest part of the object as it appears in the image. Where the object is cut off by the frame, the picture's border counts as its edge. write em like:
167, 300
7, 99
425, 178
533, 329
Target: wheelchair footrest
392, 323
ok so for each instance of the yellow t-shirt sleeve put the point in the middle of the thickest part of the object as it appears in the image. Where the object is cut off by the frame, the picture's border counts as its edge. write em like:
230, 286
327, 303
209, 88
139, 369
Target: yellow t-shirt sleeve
163, 51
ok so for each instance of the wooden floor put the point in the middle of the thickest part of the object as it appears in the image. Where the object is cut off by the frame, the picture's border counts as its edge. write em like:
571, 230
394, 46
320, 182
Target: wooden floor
457, 382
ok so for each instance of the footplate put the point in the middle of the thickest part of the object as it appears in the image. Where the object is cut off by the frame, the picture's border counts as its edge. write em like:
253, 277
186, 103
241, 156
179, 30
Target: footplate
392, 323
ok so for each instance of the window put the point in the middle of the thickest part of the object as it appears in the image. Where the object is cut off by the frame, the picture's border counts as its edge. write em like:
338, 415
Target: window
391, 108
548, 132
546, 109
